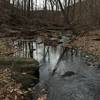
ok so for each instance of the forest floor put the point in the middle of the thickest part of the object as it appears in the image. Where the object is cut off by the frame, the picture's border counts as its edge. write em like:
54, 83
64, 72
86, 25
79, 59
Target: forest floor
89, 42
14, 72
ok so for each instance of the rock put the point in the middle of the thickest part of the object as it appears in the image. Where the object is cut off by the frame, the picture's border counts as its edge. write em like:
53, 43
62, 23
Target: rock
68, 74
26, 80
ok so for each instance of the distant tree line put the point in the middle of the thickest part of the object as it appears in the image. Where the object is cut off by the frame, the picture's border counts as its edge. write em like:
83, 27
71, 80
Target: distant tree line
74, 11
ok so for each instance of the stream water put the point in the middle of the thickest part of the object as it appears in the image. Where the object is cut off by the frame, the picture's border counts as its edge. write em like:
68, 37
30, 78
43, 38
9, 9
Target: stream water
73, 78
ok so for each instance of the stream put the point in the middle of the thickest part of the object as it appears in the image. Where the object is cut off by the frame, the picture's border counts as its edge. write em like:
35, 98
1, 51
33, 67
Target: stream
73, 79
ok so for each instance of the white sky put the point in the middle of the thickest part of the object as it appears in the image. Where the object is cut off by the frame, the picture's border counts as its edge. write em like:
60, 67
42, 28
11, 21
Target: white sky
39, 3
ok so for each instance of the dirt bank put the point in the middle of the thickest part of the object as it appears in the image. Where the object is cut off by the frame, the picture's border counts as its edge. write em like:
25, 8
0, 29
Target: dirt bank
17, 78
89, 42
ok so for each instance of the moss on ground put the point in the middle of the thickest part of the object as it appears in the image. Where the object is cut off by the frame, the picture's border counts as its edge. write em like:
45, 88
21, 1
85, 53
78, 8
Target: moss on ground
23, 71
19, 71
19, 63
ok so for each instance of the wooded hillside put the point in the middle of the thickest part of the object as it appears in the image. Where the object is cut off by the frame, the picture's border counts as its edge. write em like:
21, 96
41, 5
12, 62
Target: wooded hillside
79, 14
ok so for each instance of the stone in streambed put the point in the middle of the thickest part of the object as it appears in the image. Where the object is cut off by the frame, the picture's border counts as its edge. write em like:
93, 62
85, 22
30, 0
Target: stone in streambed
68, 74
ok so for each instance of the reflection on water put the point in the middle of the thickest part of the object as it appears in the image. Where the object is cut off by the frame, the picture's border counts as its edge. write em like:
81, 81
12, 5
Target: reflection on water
46, 55
82, 85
